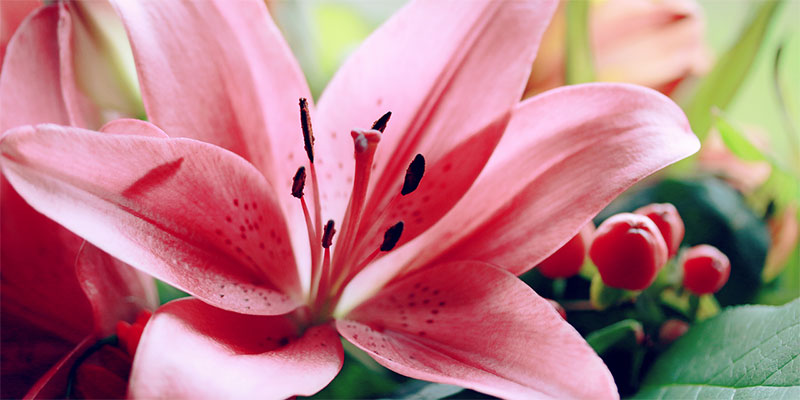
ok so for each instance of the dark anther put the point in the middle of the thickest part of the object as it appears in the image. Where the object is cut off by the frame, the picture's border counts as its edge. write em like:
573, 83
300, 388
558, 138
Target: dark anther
308, 133
392, 236
299, 182
327, 235
380, 124
413, 175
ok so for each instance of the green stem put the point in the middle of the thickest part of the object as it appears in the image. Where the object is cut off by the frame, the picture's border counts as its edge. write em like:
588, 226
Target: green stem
694, 306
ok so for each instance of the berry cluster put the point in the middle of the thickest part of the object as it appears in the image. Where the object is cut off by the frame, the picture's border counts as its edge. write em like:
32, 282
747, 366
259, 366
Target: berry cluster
629, 249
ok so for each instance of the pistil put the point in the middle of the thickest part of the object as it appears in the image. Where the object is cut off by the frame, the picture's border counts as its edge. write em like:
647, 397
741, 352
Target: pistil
298, 184
365, 143
413, 177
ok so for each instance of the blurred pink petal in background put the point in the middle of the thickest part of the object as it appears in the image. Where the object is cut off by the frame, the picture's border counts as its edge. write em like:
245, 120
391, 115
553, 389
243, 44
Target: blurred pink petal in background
652, 43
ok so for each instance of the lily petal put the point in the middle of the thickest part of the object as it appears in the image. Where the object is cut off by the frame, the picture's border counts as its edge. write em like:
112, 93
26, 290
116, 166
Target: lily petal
220, 72
126, 126
30, 83
477, 326
116, 290
38, 280
187, 212
80, 108
192, 350
567, 173
549, 176
442, 186
44, 312
53, 383
242, 96
428, 78
11, 16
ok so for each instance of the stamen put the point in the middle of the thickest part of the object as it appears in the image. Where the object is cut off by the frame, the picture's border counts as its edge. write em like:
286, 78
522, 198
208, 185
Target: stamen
299, 182
413, 175
308, 133
327, 237
390, 239
320, 275
380, 124
392, 236
308, 141
322, 285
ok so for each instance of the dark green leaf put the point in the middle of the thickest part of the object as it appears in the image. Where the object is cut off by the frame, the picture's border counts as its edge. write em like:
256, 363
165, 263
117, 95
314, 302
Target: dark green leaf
748, 352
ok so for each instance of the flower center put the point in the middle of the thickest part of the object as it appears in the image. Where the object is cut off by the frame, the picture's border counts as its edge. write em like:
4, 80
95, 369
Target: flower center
331, 272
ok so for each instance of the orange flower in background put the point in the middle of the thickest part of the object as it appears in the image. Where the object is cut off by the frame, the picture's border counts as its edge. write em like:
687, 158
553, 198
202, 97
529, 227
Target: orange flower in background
652, 43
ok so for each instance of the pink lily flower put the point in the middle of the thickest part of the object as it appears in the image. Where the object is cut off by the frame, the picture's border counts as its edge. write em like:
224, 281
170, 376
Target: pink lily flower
59, 296
498, 185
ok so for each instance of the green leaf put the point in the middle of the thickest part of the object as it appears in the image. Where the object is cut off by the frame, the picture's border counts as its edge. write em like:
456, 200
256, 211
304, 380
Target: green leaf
358, 381
736, 141
748, 352
622, 333
787, 101
167, 293
718, 88
579, 63
419, 390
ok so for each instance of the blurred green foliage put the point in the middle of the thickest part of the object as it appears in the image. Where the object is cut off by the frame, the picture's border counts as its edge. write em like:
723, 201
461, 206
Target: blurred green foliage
718, 88
579, 68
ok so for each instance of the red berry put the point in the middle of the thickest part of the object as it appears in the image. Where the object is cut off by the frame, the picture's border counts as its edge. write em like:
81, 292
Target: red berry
668, 221
567, 260
671, 330
705, 269
628, 251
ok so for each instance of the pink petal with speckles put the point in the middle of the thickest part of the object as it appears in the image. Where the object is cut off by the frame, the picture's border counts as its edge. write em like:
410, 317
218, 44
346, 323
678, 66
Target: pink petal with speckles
191, 350
189, 213
477, 326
